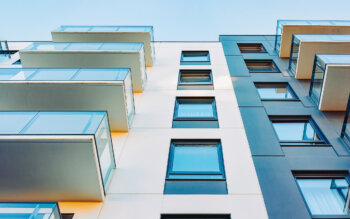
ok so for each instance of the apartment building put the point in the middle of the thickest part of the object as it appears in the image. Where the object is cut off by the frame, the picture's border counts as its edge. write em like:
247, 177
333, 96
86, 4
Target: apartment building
104, 122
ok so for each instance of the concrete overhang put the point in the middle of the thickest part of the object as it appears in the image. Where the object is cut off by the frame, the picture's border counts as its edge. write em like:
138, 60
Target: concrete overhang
88, 55
70, 90
108, 34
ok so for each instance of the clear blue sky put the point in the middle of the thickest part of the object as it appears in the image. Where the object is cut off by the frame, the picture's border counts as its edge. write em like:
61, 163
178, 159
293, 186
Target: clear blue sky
173, 20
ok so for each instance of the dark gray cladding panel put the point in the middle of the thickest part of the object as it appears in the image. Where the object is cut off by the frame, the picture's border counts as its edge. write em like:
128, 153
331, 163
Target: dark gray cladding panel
230, 48
246, 92
260, 142
237, 66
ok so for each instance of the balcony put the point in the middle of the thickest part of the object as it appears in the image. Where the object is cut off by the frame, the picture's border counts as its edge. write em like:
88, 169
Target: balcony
88, 55
286, 28
22, 210
70, 90
305, 47
110, 34
54, 156
330, 82
345, 134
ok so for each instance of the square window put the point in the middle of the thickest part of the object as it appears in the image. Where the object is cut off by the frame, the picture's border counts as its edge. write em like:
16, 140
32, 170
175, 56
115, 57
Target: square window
275, 91
195, 216
195, 79
195, 58
325, 194
251, 48
196, 161
297, 131
195, 112
261, 66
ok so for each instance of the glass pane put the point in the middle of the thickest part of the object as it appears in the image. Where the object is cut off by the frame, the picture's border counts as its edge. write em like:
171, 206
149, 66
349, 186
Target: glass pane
52, 74
293, 60
251, 48
100, 75
129, 98
195, 76
195, 110
77, 28
104, 150
83, 46
260, 66
64, 123
195, 158
325, 196
14, 122
15, 74
121, 46
22, 210
317, 82
195, 56
132, 29
104, 29
295, 131
278, 92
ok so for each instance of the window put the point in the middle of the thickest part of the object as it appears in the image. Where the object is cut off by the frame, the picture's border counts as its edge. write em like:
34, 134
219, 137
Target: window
195, 58
275, 91
195, 112
195, 216
251, 48
195, 79
345, 133
195, 167
297, 131
261, 66
67, 216
18, 62
325, 194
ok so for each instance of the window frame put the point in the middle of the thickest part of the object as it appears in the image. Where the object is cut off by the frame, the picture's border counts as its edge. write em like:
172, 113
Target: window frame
321, 174
323, 142
193, 72
261, 45
179, 99
270, 85
273, 64
192, 142
184, 62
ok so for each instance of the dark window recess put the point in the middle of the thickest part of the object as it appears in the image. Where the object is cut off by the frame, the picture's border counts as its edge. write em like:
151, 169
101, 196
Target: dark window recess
195, 58
251, 48
195, 216
18, 62
298, 131
261, 66
195, 79
67, 216
8, 52
325, 193
195, 167
195, 112
275, 91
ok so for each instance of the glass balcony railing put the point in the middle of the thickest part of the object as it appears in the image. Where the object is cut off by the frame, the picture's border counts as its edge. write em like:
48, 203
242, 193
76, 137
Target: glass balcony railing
298, 38
64, 123
49, 46
71, 28
280, 23
29, 210
63, 74
345, 134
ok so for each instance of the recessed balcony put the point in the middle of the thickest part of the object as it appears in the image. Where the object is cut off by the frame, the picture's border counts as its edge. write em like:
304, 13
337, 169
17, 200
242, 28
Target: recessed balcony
55, 156
108, 34
70, 90
88, 55
305, 47
286, 28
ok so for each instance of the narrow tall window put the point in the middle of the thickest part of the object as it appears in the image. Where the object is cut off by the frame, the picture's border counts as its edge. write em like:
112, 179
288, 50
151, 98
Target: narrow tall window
195, 167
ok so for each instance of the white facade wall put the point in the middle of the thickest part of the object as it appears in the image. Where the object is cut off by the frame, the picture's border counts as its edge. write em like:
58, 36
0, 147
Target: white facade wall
136, 187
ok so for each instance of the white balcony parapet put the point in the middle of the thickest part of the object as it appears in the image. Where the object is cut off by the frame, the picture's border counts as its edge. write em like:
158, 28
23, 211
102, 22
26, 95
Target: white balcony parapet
108, 34
70, 90
286, 28
88, 55
55, 156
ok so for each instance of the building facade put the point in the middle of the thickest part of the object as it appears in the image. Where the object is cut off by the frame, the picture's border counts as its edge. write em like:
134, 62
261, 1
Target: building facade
104, 122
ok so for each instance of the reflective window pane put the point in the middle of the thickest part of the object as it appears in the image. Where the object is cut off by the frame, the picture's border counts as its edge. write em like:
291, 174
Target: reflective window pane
275, 91
295, 131
14, 122
52, 74
195, 110
251, 48
195, 77
195, 56
261, 66
325, 196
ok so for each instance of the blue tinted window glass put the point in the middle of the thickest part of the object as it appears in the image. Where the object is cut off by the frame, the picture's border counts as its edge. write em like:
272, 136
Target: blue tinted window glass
275, 92
14, 122
15, 74
121, 46
24, 210
52, 74
132, 29
325, 196
295, 131
83, 46
195, 110
77, 28
64, 123
195, 158
104, 29
195, 56
100, 75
